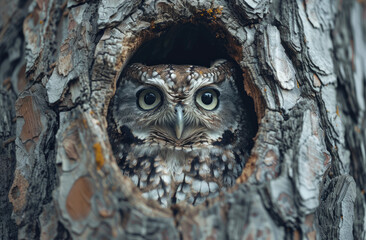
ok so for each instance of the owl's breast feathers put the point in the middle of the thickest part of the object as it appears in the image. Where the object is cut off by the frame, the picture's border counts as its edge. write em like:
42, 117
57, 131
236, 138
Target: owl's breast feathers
172, 173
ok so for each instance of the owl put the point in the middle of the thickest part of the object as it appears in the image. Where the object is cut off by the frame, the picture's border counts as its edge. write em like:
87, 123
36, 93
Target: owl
181, 132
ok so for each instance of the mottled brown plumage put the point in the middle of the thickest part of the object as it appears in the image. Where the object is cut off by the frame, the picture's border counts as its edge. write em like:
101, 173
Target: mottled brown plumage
180, 132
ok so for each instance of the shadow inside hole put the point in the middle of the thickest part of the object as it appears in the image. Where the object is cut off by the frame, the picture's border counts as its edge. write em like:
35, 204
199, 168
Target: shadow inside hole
182, 44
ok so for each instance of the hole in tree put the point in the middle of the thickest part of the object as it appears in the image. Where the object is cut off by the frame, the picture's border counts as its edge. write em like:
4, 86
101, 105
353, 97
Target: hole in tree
184, 44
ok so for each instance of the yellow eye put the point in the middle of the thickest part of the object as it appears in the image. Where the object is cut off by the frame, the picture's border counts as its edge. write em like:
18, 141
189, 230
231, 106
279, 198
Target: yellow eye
148, 99
207, 98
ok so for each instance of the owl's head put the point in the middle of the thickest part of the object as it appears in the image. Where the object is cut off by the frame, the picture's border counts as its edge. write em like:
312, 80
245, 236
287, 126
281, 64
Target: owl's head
179, 106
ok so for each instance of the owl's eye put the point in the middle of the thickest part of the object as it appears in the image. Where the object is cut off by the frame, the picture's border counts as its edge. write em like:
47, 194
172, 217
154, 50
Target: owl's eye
148, 99
207, 98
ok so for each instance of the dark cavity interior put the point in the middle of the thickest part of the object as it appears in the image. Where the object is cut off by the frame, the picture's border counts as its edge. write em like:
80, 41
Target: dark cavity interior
182, 44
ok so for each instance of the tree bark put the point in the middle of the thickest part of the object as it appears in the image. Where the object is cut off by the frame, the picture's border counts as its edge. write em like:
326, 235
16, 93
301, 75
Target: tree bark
303, 63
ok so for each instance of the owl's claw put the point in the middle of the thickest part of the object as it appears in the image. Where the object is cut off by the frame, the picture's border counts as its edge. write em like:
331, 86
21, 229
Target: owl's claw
179, 125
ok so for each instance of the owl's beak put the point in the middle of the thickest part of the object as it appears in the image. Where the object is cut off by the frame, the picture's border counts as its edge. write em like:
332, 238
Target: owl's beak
179, 124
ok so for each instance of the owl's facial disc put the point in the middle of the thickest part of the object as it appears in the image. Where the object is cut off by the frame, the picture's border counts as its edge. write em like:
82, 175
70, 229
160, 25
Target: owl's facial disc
181, 118
179, 106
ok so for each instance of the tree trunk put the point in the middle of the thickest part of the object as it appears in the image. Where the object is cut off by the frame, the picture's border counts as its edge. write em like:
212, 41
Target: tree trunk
303, 63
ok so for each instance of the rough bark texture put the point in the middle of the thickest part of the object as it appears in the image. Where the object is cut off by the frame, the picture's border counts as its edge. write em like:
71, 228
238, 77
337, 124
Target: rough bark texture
303, 63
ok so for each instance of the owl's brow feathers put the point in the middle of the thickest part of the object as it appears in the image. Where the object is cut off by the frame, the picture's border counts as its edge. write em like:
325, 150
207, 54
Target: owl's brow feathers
180, 78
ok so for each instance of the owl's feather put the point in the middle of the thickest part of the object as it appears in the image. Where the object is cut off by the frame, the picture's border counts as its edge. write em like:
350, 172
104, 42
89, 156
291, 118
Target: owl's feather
210, 153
